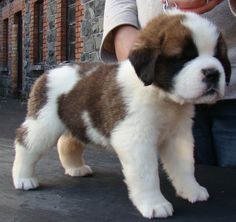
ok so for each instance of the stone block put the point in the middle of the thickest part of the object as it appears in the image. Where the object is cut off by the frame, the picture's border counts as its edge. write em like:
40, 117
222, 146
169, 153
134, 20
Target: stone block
94, 57
97, 41
100, 24
86, 28
99, 8
84, 57
89, 45
89, 11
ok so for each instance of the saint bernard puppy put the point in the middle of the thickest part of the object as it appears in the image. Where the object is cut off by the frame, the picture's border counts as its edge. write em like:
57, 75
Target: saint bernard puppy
142, 107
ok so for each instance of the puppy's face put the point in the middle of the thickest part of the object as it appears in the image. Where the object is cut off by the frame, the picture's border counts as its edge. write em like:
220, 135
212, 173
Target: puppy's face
184, 55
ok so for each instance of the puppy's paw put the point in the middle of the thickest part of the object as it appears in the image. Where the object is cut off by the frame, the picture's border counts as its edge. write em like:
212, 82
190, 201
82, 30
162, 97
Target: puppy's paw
79, 171
158, 209
26, 183
194, 193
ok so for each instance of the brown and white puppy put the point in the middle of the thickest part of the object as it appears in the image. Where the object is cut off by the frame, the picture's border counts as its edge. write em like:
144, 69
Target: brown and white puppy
142, 107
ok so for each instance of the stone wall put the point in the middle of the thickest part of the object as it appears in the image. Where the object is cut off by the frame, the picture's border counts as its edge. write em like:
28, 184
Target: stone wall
51, 34
89, 28
28, 75
92, 28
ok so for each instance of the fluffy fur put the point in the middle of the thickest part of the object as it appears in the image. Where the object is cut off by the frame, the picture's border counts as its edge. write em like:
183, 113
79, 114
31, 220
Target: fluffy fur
142, 107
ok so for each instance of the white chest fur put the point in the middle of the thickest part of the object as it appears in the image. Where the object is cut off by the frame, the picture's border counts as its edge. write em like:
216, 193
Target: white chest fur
150, 113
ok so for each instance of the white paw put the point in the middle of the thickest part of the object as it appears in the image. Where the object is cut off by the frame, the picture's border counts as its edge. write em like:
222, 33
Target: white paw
26, 183
79, 171
161, 210
194, 193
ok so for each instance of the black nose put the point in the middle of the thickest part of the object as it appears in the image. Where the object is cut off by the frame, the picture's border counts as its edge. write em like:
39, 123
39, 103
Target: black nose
211, 75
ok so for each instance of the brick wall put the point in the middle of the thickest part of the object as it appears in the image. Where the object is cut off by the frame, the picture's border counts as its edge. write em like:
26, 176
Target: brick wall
60, 25
14, 59
79, 13
89, 28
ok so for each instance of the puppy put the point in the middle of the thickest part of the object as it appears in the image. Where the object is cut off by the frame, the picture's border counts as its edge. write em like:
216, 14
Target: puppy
142, 107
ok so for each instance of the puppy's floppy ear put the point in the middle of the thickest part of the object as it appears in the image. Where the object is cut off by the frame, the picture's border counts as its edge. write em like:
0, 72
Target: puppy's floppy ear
143, 61
221, 54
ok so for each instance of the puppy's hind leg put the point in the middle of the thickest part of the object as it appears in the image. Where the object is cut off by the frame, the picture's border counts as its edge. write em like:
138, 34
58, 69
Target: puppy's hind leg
33, 139
70, 151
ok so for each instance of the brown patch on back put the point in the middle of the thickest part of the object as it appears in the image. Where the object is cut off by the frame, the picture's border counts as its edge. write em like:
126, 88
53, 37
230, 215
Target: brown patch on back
85, 68
38, 96
100, 96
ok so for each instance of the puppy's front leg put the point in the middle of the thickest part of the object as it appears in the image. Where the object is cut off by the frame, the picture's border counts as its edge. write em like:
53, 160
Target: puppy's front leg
177, 157
140, 168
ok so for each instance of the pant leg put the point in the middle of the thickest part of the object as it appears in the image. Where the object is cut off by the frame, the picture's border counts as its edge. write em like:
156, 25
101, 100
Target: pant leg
204, 150
224, 132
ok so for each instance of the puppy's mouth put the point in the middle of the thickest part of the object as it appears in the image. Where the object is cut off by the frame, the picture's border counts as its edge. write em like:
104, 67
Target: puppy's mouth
211, 91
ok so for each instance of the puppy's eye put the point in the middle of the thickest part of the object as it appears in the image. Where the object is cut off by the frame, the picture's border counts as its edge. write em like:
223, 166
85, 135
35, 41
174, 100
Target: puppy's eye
184, 56
189, 55
178, 58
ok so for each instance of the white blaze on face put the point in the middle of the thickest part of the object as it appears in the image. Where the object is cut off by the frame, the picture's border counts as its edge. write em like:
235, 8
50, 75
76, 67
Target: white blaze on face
204, 33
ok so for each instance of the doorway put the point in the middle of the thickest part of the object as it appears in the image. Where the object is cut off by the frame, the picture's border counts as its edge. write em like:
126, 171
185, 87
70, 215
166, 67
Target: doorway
18, 22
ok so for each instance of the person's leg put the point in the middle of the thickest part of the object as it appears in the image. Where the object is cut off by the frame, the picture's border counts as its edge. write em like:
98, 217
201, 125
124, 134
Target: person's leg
204, 152
224, 132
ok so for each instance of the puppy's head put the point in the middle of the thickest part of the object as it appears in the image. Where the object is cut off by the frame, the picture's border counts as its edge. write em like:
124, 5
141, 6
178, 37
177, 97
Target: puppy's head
184, 55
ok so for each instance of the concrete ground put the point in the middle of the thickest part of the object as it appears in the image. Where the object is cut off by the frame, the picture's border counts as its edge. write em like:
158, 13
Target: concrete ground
102, 197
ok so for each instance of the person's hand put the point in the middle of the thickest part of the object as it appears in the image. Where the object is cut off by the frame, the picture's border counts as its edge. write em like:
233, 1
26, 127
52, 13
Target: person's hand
198, 6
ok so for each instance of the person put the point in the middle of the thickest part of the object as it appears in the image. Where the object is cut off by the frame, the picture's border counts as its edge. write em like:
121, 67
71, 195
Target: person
214, 125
